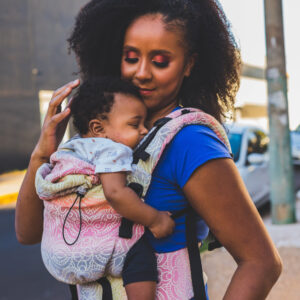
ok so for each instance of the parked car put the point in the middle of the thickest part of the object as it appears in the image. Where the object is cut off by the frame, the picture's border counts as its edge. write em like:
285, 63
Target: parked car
295, 146
250, 150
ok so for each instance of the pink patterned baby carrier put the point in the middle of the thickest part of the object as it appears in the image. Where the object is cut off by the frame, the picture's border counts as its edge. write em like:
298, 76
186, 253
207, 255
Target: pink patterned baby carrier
81, 262
80, 242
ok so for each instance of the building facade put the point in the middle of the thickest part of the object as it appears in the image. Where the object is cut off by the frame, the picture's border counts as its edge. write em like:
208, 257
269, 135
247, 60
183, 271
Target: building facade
33, 57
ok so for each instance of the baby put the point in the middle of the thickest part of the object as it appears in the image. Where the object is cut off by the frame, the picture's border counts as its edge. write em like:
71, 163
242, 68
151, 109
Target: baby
109, 116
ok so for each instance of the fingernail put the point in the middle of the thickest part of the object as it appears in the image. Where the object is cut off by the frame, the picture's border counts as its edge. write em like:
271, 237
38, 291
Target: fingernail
76, 81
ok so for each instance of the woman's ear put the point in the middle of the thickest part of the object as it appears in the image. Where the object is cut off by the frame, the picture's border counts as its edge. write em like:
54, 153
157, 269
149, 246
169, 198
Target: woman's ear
96, 128
190, 64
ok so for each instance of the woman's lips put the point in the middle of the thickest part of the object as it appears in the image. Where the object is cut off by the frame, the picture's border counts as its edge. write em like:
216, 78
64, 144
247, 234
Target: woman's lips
146, 92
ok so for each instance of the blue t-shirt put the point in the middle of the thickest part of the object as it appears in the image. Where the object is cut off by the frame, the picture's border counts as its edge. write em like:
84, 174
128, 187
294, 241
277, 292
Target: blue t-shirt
190, 148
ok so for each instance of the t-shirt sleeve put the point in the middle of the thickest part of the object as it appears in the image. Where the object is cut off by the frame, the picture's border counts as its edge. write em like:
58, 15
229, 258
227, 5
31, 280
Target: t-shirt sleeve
113, 157
193, 146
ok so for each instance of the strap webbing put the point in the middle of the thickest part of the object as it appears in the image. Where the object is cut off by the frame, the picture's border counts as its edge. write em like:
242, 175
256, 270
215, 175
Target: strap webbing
140, 152
125, 229
194, 256
106, 288
180, 213
73, 291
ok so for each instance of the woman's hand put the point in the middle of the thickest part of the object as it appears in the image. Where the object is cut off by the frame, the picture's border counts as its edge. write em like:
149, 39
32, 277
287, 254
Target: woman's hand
29, 208
55, 123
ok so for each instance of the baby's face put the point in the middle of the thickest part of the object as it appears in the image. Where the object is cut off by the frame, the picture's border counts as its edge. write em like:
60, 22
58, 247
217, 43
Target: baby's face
125, 123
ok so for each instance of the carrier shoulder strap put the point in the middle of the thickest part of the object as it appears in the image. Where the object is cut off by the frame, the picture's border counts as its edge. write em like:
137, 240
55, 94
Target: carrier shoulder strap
165, 129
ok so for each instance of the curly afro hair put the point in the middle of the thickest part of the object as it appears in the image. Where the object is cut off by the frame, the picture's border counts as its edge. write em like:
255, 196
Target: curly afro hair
98, 35
95, 97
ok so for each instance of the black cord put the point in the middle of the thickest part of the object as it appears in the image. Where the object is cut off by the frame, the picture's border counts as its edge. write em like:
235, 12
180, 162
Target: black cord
80, 220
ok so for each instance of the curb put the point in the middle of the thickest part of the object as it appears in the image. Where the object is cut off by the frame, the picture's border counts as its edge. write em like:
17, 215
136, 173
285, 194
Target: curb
10, 183
8, 198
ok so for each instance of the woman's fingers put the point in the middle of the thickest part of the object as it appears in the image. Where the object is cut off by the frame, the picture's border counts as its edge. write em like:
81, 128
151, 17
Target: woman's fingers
59, 96
70, 102
71, 84
56, 119
57, 100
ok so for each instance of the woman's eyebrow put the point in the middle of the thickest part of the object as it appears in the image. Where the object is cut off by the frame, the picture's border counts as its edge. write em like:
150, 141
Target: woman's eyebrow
152, 52
131, 48
160, 51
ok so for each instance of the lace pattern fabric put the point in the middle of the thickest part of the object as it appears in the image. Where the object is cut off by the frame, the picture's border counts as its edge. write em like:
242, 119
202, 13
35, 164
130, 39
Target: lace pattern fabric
98, 252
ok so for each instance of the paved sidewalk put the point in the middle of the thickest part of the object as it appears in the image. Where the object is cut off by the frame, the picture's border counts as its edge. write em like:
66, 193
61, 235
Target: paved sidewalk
219, 267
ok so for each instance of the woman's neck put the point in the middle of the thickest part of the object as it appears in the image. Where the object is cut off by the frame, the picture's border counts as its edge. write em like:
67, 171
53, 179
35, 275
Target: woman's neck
153, 116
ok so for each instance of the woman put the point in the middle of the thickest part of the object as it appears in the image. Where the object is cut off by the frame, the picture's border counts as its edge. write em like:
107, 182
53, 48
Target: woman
175, 52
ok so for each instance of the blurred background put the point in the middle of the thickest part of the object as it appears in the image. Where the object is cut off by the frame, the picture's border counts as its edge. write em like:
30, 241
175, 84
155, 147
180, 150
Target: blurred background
34, 61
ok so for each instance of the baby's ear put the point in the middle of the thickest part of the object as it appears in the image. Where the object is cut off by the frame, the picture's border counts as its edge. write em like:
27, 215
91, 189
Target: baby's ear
96, 127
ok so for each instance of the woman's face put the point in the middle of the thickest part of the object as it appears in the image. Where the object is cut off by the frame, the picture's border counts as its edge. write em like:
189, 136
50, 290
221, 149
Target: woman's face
154, 59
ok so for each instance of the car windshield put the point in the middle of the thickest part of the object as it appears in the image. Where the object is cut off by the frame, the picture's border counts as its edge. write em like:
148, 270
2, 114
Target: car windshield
235, 143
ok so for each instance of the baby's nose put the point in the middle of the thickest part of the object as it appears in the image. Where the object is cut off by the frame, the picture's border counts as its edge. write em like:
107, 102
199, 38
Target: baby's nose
144, 130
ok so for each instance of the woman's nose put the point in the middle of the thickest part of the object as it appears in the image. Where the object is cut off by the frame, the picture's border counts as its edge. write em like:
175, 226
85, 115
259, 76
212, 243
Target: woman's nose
143, 73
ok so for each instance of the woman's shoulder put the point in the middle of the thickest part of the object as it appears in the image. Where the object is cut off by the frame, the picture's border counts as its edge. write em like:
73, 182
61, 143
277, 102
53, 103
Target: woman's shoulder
197, 135
192, 146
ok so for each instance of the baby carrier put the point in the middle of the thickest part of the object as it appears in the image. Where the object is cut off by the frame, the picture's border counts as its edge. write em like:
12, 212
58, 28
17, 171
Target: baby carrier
146, 157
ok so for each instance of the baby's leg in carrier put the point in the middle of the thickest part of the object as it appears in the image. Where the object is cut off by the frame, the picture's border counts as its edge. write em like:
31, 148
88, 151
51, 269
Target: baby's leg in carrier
140, 271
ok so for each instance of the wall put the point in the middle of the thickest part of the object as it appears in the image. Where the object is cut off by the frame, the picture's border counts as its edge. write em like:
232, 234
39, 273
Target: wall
33, 56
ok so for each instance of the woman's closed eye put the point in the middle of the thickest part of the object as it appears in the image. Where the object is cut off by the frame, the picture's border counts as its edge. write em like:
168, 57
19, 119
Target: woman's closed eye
131, 57
161, 61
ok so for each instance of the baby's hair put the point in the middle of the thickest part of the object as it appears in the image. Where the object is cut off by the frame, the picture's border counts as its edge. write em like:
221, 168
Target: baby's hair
95, 97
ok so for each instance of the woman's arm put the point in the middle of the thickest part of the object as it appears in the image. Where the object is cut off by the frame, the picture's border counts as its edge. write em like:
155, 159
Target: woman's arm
217, 193
126, 202
29, 209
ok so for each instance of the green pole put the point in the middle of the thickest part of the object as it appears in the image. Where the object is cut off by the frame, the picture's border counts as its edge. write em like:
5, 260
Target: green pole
281, 168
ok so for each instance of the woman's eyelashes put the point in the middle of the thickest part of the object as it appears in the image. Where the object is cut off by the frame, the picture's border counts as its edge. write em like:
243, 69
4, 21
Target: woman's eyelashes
131, 57
160, 61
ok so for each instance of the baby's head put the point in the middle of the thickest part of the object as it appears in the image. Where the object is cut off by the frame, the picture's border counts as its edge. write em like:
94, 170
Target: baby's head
109, 108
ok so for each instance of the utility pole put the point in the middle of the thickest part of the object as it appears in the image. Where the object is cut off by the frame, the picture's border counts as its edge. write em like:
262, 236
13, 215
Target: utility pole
281, 168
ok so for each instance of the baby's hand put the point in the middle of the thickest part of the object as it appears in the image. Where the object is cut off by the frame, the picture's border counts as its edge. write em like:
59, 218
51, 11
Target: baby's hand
163, 225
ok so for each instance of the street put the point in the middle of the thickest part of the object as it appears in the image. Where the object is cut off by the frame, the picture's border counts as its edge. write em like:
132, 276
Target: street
22, 273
